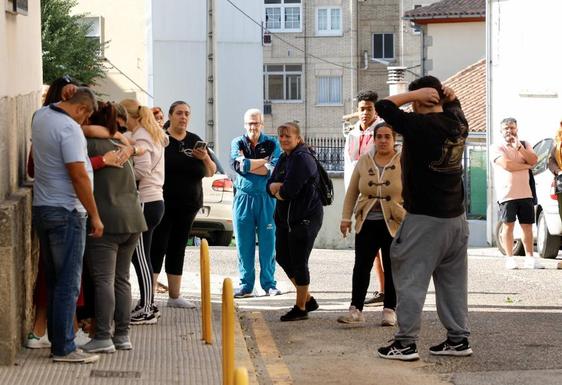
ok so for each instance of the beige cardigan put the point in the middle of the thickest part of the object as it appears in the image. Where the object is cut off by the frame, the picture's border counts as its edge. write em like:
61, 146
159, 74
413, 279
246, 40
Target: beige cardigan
369, 186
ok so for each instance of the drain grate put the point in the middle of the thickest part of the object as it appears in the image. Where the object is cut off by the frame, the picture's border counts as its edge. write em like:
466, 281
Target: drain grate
115, 374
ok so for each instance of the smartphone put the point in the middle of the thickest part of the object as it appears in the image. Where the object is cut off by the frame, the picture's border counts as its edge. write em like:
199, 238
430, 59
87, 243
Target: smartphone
200, 144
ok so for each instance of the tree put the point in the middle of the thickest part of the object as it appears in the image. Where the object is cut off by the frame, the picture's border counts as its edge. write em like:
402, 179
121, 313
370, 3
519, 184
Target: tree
66, 48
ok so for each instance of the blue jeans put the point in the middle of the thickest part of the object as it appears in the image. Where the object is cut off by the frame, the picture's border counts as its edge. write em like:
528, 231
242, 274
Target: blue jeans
62, 235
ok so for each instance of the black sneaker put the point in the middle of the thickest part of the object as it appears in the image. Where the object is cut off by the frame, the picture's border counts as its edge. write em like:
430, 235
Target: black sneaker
311, 305
450, 348
156, 311
396, 351
144, 319
295, 314
376, 300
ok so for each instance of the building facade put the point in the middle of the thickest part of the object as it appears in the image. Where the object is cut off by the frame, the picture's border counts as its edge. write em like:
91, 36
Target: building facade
127, 46
20, 96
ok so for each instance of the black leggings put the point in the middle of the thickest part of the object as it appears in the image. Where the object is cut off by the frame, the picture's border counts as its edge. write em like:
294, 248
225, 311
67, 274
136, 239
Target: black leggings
373, 236
170, 239
293, 247
153, 212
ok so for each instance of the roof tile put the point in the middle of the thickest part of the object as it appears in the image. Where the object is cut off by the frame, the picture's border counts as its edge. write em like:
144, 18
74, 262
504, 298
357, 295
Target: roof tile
449, 9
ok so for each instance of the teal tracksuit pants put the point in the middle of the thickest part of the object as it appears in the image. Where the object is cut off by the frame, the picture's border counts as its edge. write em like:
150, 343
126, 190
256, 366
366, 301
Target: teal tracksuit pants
253, 214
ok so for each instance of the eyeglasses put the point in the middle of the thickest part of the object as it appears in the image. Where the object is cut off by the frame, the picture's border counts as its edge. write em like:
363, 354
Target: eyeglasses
253, 123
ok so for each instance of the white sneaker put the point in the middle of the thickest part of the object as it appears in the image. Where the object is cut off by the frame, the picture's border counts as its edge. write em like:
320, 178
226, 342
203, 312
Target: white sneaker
34, 342
355, 316
532, 263
510, 263
180, 302
81, 338
388, 317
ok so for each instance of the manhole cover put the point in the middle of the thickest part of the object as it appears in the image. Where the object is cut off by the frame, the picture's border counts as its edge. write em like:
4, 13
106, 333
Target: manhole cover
115, 374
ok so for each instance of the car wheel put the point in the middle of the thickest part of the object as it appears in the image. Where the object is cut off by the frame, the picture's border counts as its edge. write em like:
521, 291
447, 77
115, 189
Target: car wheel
547, 244
222, 238
518, 248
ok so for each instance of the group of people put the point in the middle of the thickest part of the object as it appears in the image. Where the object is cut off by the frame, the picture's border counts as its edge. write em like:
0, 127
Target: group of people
400, 197
101, 201
138, 187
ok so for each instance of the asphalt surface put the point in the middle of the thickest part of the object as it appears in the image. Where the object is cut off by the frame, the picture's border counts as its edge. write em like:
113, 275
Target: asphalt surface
515, 317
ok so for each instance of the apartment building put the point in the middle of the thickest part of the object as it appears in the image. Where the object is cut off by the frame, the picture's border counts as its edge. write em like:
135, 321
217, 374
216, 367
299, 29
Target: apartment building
318, 53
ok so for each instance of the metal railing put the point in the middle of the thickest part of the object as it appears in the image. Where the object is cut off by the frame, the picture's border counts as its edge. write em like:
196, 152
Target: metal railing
329, 151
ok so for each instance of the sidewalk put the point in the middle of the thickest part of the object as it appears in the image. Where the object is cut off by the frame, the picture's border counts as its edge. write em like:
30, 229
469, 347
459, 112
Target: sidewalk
170, 352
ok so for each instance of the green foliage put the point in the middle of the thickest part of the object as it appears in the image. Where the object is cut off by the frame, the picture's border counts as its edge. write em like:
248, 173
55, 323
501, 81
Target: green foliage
66, 49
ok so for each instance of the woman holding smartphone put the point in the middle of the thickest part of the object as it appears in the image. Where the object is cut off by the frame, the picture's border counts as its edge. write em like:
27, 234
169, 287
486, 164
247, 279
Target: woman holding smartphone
185, 167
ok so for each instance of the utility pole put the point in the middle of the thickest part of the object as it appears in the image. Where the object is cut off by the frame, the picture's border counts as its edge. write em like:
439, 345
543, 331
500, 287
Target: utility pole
210, 111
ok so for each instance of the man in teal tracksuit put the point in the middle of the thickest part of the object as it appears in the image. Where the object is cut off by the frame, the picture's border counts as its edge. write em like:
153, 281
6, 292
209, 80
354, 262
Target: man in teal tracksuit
253, 156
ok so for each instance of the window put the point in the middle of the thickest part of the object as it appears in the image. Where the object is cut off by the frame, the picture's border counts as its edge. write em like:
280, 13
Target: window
383, 46
282, 82
283, 15
95, 27
328, 90
328, 21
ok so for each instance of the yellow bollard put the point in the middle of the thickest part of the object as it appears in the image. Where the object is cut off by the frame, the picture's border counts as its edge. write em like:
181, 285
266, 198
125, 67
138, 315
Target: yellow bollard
227, 333
241, 376
205, 293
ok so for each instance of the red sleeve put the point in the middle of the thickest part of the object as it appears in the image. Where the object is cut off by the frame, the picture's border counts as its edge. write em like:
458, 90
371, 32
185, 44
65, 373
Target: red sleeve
97, 162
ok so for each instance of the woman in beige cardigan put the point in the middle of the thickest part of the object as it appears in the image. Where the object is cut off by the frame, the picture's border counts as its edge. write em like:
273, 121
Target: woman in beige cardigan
375, 192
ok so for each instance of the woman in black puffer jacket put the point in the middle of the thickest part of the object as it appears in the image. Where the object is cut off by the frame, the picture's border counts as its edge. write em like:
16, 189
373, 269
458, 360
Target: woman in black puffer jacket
298, 214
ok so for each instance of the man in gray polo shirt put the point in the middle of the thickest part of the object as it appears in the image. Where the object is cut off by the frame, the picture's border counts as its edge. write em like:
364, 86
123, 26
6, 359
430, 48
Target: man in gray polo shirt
62, 201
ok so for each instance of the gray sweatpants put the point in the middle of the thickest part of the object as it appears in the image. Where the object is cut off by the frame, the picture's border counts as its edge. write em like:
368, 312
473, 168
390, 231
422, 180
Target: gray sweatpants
109, 262
423, 247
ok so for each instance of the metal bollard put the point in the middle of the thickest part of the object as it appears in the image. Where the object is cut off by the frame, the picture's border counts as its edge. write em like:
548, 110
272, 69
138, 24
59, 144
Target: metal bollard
241, 376
206, 312
227, 333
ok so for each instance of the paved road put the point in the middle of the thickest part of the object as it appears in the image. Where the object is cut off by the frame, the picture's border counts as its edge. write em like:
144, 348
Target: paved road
516, 321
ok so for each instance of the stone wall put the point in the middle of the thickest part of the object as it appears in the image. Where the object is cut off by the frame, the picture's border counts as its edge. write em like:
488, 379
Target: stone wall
18, 252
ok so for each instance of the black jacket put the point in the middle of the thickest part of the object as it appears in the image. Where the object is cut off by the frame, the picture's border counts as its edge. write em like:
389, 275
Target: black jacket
431, 158
298, 173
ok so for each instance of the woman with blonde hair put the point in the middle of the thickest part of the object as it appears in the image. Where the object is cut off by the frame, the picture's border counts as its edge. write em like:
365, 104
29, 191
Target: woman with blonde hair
145, 133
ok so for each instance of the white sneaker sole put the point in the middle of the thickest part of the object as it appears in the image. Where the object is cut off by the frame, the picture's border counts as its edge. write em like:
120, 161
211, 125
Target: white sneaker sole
401, 357
455, 353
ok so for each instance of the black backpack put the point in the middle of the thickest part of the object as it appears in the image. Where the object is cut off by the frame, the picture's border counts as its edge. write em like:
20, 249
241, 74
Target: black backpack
324, 185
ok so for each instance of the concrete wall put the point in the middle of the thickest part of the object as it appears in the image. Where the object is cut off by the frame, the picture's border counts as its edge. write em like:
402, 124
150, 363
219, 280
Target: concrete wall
20, 92
453, 46
127, 46
238, 71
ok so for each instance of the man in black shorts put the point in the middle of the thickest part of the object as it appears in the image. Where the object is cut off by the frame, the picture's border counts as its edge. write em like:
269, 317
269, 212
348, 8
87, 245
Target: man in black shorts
512, 160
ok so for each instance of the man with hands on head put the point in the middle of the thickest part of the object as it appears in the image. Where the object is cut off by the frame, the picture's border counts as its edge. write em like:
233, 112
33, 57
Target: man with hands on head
433, 237
253, 157
513, 159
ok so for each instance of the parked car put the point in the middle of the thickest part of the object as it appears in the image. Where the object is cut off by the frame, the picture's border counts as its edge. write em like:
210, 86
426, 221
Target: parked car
547, 230
214, 220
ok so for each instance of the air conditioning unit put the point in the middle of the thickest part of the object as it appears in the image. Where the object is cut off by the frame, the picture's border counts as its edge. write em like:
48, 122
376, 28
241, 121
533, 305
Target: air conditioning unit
266, 38
267, 108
